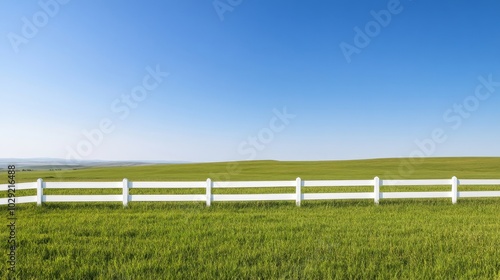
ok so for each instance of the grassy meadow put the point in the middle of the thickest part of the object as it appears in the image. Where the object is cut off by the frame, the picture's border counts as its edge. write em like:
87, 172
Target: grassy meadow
398, 239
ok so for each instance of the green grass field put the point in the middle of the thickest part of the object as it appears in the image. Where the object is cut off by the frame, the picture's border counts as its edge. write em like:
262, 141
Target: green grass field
398, 239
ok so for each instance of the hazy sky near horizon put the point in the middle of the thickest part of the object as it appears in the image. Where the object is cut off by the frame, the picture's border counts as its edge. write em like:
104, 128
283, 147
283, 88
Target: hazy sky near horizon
237, 79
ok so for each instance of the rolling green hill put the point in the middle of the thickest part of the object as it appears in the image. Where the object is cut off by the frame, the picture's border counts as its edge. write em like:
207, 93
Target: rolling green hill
428, 168
398, 239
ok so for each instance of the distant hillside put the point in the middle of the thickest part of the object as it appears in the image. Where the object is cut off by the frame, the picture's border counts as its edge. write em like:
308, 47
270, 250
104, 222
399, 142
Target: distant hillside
395, 168
62, 164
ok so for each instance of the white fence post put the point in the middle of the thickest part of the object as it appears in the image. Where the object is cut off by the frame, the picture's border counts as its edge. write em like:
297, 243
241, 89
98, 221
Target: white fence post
298, 191
39, 192
125, 192
376, 190
454, 190
209, 191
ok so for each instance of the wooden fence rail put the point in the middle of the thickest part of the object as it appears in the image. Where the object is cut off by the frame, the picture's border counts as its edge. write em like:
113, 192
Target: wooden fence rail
208, 197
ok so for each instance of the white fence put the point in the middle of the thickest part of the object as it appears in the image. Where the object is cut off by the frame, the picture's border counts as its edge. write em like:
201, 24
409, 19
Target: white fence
208, 186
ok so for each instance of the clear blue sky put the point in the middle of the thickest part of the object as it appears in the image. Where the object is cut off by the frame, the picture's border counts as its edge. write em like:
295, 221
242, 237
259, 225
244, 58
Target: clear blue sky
228, 78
